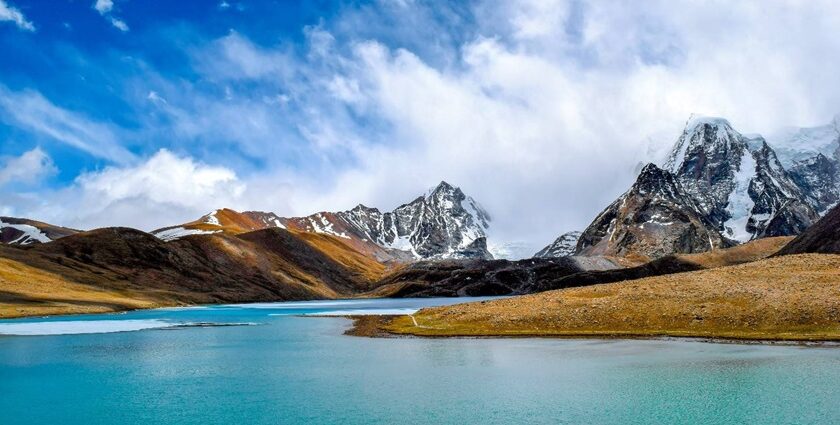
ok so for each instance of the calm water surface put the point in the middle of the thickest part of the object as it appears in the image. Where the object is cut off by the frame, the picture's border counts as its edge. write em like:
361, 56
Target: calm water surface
291, 369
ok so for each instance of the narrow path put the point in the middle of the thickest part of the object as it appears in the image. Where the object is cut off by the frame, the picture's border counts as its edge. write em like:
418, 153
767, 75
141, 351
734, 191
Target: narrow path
417, 325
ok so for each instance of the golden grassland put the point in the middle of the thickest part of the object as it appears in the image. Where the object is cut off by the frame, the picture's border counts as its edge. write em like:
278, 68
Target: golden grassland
28, 291
744, 253
793, 297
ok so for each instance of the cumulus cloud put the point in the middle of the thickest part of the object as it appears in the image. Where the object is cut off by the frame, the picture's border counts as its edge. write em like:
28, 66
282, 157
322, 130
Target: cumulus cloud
30, 167
103, 6
165, 189
554, 103
12, 14
32, 111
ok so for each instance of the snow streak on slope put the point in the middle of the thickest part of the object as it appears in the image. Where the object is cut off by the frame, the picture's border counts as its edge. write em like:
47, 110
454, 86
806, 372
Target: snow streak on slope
179, 232
30, 234
740, 204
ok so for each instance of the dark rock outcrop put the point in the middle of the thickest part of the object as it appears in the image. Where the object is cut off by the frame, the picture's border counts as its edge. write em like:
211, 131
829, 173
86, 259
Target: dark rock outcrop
653, 219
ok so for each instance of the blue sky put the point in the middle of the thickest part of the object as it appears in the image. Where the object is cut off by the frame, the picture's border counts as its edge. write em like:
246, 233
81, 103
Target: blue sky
148, 113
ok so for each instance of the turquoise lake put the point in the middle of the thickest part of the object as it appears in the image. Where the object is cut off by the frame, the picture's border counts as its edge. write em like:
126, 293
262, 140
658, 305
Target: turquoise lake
280, 367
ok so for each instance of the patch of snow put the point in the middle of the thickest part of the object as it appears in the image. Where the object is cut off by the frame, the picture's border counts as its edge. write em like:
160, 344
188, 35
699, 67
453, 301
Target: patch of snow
212, 219
277, 223
179, 232
30, 233
325, 226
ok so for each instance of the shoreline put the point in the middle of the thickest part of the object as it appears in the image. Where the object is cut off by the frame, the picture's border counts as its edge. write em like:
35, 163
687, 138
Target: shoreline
377, 327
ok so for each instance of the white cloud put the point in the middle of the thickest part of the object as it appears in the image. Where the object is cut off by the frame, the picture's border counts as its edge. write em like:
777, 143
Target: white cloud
30, 110
12, 14
545, 120
30, 167
103, 6
119, 24
164, 189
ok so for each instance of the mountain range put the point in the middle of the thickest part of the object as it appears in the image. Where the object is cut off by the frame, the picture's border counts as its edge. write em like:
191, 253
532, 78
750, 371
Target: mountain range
442, 224
720, 197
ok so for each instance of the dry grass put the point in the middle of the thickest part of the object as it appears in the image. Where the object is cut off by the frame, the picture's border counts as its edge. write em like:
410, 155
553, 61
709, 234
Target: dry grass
785, 298
744, 253
28, 291
345, 255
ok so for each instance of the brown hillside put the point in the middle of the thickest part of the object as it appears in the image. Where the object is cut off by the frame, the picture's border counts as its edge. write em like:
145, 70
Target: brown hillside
265, 265
792, 297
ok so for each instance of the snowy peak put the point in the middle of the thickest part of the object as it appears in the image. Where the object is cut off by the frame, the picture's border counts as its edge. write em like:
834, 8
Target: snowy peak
796, 144
737, 181
703, 136
563, 246
443, 223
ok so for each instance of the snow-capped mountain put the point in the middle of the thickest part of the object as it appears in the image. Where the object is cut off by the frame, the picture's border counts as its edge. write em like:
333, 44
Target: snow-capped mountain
656, 217
819, 179
738, 182
795, 144
563, 246
444, 223
21, 231
812, 157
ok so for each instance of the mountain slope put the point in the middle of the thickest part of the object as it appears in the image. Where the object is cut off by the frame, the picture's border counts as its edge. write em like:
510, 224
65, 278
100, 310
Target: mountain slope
442, 224
822, 237
263, 265
738, 182
22, 231
653, 219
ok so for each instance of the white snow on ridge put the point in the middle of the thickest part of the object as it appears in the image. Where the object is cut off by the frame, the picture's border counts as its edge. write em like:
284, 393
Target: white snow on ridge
179, 232
796, 144
325, 227
30, 233
212, 219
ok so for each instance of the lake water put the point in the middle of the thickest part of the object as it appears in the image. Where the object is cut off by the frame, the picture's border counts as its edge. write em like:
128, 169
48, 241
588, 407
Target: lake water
290, 369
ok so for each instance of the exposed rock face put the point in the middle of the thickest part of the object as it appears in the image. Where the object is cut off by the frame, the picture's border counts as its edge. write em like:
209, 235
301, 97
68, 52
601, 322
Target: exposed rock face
21, 231
444, 223
563, 246
738, 182
653, 219
819, 179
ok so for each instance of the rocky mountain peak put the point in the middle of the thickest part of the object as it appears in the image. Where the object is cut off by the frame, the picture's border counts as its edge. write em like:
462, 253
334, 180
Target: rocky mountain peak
443, 223
737, 181
563, 246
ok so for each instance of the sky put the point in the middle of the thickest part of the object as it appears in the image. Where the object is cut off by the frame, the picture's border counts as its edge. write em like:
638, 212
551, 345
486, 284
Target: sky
152, 113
